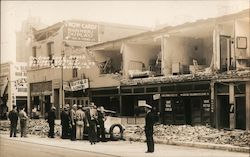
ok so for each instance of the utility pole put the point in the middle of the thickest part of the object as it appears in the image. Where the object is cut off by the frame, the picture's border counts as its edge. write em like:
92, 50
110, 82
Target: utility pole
62, 90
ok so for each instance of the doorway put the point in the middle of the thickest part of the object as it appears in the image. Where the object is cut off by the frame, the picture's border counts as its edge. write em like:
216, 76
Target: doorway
240, 112
47, 103
224, 108
225, 53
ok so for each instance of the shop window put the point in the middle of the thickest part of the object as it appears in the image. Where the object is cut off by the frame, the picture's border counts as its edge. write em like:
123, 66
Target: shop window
138, 90
240, 88
128, 90
223, 88
167, 88
152, 89
105, 92
202, 86
184, 87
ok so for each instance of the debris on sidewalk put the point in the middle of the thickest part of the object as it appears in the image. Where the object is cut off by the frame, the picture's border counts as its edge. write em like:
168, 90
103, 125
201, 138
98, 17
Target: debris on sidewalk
187, 133
35, 127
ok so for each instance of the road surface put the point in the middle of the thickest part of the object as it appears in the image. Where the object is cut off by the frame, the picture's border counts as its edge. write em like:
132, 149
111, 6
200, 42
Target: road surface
35, 146
11, 148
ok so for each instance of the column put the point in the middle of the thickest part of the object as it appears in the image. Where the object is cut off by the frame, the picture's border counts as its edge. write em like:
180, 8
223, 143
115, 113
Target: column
248, 105
232, 117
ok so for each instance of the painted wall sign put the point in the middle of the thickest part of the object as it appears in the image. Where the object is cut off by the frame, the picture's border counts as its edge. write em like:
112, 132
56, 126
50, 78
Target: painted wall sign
80, 31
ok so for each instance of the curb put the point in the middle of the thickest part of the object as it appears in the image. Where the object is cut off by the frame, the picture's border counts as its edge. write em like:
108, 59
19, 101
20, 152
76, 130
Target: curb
199, 145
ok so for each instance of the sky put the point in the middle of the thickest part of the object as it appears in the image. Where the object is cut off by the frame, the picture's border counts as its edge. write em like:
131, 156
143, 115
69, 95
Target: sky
141, 13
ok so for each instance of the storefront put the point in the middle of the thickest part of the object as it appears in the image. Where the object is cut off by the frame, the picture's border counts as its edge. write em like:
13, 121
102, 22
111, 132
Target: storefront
231, 104
76, 92
178, 103
107, 97
41, 97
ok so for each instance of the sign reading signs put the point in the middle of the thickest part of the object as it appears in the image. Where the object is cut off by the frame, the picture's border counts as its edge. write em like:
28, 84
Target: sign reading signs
81, 31
79, 85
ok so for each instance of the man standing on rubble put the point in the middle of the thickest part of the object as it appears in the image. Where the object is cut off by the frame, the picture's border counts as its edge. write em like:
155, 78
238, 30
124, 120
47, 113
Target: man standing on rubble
149, 128
13, 116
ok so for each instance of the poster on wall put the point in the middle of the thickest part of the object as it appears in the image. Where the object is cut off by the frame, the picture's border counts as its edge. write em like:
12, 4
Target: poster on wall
80, 31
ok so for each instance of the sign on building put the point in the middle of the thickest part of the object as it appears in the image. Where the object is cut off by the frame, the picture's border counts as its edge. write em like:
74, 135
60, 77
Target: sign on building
79, 85
80, 31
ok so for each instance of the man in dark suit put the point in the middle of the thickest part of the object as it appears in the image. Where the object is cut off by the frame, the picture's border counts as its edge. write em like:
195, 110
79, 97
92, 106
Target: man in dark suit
51, 121
101, 128
149, 128
65, 122
13, 116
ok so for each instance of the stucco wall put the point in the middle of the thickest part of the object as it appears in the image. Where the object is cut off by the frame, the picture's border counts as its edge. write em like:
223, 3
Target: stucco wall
182, 50
242, 30
142, 53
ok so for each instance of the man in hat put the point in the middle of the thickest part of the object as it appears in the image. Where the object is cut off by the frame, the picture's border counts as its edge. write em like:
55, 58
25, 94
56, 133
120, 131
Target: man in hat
73, 122
149, 128
51, 121
80, 122
92, 119
65, 122
101, 120
13, 117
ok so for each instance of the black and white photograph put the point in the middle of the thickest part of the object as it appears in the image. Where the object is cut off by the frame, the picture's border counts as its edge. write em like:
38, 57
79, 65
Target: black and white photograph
142, 78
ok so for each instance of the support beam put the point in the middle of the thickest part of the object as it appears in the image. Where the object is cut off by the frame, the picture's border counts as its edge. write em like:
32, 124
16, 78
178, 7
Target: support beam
248, 105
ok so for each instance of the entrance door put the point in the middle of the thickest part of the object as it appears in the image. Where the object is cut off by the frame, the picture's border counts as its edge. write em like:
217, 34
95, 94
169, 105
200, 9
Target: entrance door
225, 53
240, 113
196, 110
47, 103
179, 111
224, 108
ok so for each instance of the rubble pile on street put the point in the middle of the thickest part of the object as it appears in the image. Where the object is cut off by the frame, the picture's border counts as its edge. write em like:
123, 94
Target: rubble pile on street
4, 125
186, 77
41, 127
187, 133
38, 127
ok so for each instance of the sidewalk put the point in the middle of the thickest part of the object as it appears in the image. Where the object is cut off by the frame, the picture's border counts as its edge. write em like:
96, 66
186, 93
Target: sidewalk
125, 148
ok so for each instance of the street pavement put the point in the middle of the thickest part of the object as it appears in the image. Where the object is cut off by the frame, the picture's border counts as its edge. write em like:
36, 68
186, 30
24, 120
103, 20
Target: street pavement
35, 146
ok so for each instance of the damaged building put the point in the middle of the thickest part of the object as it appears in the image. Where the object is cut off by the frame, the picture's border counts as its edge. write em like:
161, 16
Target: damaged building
54, 75
196, 73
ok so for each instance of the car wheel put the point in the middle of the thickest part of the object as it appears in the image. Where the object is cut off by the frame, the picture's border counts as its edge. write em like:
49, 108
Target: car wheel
116, 132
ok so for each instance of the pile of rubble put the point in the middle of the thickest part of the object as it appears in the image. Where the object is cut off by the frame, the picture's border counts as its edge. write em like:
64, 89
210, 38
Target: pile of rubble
187, 133
4, 125
187, 77
41, 127
38, 127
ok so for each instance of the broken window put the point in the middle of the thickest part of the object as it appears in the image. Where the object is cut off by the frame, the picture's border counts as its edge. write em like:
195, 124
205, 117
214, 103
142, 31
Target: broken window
50, 50
34, 54
74, 73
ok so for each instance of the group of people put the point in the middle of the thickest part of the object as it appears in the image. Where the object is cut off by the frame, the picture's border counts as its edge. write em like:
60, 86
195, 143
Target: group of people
77, 121
13, 116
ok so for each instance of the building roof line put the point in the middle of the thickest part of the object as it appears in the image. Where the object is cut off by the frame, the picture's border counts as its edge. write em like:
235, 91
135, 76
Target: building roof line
170, 28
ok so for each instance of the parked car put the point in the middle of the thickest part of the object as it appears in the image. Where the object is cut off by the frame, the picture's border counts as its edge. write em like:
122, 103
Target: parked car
113, 126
